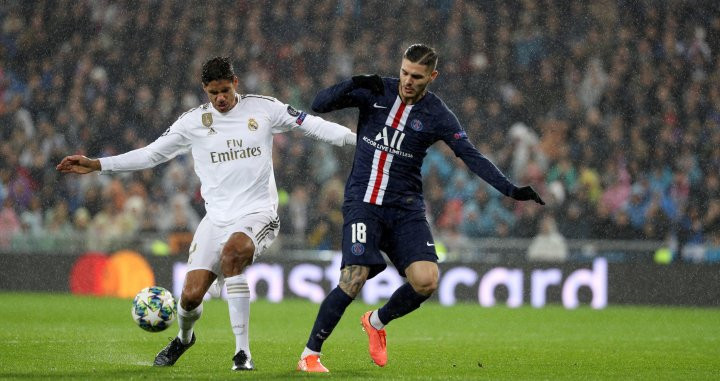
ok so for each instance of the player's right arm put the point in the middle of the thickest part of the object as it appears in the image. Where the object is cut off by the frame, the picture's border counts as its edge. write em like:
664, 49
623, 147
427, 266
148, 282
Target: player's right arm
349, 93
166, 147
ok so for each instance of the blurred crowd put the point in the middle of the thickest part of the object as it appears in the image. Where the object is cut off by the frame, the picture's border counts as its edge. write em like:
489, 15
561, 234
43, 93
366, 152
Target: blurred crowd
610, 109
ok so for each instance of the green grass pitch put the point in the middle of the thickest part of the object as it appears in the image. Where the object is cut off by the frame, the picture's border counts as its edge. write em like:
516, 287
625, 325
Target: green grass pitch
70, 337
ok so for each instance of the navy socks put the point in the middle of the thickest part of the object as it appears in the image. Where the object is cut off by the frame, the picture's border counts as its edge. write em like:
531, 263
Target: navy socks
403, 301
331, 310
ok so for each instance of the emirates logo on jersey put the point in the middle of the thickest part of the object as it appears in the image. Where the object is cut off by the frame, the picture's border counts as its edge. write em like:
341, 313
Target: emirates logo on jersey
235, 151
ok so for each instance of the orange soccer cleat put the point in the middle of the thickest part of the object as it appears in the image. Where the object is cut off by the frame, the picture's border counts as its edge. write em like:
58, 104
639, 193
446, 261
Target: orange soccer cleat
311, 364
376, 340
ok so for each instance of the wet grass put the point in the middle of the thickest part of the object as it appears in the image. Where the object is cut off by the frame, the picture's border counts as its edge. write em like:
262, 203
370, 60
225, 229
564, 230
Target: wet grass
70, 337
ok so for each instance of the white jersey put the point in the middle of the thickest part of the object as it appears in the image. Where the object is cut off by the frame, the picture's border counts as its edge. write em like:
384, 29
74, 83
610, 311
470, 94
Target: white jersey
232, 152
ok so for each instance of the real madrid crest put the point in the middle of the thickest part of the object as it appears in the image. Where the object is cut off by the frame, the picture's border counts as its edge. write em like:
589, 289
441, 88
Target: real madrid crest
252, 124
207, 121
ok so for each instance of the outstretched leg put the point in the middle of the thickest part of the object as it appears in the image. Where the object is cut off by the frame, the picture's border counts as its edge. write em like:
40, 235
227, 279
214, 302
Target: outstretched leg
196, 285
331, 310
422, 282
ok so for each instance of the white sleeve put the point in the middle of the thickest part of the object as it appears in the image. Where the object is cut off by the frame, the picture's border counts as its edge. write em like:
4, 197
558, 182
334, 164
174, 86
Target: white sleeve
287, 118
166, 147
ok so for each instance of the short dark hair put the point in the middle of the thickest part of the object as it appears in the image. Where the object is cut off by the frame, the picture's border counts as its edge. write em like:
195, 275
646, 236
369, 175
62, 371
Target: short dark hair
421, 54
217, 68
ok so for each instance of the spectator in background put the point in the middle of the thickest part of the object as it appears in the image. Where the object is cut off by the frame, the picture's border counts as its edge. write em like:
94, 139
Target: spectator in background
642, 81
576, 223
548, 245
9, 224
81, 222
32, 218
299, 210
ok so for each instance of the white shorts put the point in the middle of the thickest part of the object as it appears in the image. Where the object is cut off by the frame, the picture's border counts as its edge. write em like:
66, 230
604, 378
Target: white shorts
209, 239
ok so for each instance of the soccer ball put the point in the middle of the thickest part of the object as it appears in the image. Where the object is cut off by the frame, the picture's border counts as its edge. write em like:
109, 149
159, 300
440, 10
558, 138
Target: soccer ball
154, 309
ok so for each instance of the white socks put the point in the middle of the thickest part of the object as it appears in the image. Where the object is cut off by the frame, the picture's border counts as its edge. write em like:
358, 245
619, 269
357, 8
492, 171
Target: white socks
186, 321
375, 321
308, 352
238, 293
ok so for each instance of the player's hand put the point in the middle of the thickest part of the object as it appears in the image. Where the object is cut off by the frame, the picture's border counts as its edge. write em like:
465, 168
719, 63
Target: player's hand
526, 193
372, 82
78, 164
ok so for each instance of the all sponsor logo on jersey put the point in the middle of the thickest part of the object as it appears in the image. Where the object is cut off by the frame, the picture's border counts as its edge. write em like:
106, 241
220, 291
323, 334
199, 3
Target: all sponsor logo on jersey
416, 125
301, 118
390, 141
252, 124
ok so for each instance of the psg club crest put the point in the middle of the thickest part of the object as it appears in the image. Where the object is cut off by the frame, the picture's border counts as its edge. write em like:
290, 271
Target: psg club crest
358, 248
207, 121
416, 125
252, 124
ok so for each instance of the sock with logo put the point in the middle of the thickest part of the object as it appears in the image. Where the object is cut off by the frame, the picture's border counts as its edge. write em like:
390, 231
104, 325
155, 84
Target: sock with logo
403, 301
331, 310
186, 321
238, 298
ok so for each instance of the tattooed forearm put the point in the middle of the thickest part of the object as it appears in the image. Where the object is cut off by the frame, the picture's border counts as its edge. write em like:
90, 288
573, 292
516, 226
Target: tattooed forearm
352, 279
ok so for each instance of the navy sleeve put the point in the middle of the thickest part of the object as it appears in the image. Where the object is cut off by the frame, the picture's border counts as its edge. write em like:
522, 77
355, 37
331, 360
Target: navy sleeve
340, 96
456, 138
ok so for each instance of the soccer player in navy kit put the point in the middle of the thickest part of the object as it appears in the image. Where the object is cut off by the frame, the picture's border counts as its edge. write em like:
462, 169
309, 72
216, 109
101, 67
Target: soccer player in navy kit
384, 208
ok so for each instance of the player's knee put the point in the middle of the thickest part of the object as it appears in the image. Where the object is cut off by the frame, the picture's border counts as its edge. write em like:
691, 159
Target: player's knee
237, 254
191, 297
425, 285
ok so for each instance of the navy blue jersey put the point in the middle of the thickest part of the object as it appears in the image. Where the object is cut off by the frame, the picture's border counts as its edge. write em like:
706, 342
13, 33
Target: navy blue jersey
393, 139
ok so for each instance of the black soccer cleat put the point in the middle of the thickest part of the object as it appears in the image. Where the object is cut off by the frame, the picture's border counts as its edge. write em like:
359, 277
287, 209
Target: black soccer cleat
172, 352
242, 362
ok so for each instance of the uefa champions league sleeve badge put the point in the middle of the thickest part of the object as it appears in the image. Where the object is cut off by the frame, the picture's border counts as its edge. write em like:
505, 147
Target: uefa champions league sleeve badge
207, 121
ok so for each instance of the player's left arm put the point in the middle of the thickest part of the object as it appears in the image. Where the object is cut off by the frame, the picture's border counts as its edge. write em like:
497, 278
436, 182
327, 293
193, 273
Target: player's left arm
355, 92
457, 140
314, 126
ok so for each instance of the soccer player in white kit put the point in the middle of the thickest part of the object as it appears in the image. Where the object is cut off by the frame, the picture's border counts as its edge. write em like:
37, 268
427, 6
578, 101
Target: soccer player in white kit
230, 140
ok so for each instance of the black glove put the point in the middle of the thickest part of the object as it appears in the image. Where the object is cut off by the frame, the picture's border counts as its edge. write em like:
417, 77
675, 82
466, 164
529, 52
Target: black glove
372, 82
526, 193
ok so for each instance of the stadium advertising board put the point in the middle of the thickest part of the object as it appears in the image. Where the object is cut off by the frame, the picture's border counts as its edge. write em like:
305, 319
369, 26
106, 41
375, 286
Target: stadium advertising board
313, 281
595, 284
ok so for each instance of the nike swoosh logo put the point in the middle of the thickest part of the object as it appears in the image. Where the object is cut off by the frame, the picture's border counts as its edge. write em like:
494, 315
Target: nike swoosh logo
429, 244
378, 106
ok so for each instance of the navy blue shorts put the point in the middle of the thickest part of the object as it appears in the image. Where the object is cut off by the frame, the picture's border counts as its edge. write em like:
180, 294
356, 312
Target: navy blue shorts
403, 235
